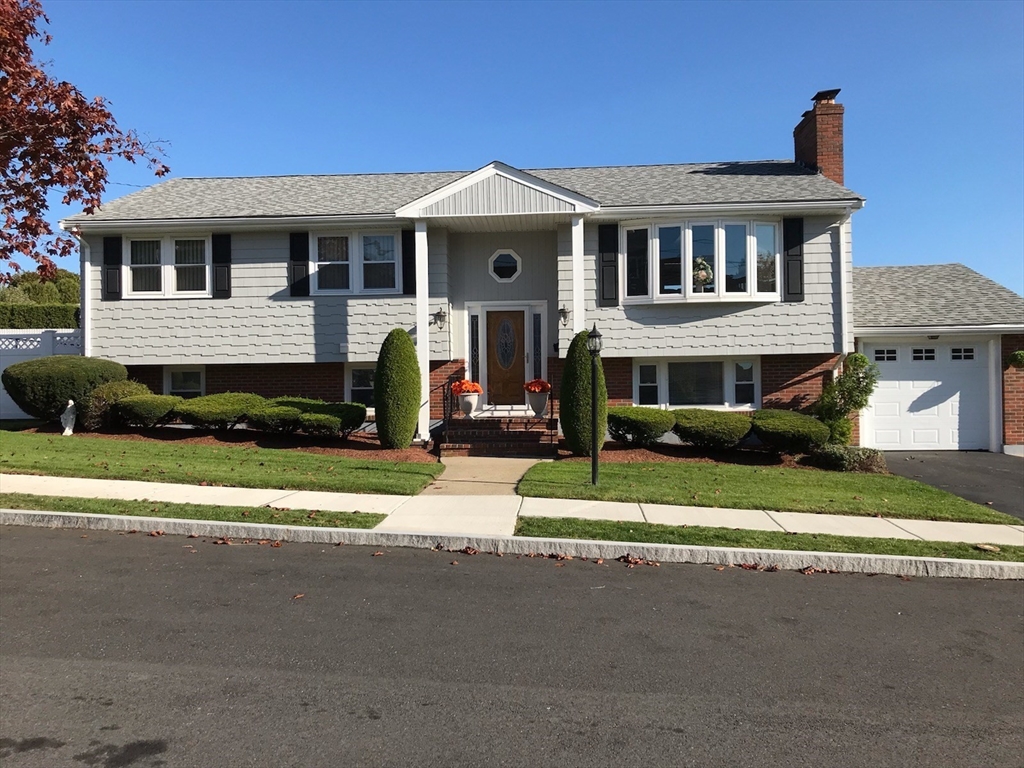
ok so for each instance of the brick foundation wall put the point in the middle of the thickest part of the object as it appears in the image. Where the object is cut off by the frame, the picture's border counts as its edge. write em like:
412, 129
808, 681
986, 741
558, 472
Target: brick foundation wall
1013, 393
440, 370
150, 375
618, 377
324, 381
794, 382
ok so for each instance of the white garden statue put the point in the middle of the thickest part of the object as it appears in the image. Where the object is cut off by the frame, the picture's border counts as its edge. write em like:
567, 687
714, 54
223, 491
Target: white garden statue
67, 419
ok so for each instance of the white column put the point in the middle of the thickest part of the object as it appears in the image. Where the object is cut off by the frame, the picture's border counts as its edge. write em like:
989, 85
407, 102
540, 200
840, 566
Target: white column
995, 396
423, 328
844, 304
579, 319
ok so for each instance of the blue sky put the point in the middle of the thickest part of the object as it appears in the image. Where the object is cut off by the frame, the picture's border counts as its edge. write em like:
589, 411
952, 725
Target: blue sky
934, 96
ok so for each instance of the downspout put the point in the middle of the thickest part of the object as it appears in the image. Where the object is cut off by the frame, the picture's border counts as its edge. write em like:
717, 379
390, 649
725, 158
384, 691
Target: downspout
84, 300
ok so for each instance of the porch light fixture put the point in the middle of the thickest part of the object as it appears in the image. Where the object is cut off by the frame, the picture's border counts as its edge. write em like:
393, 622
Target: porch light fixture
594, 347
439, 318
563, 315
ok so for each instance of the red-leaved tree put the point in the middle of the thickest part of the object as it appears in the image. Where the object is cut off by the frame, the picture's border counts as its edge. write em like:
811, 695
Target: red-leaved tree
52, 138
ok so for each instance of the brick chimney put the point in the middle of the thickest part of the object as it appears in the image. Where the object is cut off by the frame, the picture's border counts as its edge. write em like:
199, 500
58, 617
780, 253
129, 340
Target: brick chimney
818, 139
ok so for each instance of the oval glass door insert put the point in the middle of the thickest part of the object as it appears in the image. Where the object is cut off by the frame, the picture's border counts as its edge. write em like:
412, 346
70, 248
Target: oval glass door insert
506, 341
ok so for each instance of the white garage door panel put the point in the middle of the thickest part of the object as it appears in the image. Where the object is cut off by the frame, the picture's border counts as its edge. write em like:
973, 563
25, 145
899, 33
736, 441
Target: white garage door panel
939, 404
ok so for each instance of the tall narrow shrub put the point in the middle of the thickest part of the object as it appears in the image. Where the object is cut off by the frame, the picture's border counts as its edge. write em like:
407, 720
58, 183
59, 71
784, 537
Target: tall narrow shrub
575, 403
396, 390
848, 393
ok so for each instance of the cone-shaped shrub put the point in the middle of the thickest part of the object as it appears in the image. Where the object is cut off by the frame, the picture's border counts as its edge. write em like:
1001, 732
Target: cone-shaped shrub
396, 390
575, 403
42, 387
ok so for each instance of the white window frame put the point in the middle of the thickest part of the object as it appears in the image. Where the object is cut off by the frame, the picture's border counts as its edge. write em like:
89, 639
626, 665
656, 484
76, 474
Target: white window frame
167, 276
349, 367
514, 255
355, 262
169, 369
720, 295
728, 381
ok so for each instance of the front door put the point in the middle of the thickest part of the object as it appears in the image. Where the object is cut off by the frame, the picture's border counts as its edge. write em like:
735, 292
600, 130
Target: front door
506, 361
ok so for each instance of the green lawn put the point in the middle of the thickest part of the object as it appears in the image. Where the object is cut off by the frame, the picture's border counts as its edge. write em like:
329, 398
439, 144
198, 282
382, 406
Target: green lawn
649, 533
170, 462
755, 487
191, 511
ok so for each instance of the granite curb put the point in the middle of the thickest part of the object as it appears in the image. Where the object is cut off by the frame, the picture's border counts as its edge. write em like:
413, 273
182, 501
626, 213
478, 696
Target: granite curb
521, 545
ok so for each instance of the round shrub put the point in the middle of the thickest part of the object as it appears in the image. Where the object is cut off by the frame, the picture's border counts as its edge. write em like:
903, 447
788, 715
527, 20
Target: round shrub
222, 411
146, 411
396, 390
351, 416
1016, 359
575, 399
42, 387
103, 398
632, 425
789, 431
716, 430
320, 424
844, 458
275, 418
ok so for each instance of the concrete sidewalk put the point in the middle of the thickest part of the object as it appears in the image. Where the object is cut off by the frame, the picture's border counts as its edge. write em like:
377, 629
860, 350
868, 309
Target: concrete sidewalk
474, 515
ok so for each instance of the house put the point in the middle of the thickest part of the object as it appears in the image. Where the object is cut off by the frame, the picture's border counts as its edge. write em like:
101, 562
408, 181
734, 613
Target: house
726, 285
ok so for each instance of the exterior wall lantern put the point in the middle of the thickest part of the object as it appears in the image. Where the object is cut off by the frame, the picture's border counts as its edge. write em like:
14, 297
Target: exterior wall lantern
440, 318
563, 315
594, 347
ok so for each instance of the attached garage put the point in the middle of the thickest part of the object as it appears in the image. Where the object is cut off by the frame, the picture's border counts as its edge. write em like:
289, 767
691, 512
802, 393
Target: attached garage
932, 396
942, 336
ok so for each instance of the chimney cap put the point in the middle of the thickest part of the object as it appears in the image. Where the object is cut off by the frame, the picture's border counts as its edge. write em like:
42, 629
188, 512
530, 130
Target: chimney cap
826, 96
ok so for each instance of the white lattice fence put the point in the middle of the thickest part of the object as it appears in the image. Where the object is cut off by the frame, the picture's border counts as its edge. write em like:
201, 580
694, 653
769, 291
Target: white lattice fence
16, 346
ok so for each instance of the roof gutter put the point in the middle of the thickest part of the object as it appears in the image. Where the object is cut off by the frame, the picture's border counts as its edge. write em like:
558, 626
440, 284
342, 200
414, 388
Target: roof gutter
223, 224
795, 206
936, 330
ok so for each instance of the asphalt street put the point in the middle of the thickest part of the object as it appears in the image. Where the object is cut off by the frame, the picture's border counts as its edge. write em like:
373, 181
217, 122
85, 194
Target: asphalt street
139, 651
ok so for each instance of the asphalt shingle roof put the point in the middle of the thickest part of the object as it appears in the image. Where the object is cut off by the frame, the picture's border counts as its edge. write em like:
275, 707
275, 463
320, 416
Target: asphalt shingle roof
358, 194
931, 295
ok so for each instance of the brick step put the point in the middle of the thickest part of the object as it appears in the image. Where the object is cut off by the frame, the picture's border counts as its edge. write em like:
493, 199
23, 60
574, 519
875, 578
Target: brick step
473, 434
510, 438
504, 423
497, 449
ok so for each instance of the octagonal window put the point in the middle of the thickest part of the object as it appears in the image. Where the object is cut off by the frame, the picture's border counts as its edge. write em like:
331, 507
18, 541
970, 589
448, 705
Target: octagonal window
505, 265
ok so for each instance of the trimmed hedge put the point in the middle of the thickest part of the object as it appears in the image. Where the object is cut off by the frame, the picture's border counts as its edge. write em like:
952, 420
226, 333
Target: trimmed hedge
845, 458
222, 411
320, 424
21, 316
350, 416
789, 431
146, 411
716, 430
396, 390
102, 399
575, 399
42, 387
633, 425
275, 418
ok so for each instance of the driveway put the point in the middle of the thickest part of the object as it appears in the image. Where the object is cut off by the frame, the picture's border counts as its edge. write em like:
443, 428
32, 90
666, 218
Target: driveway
973, 475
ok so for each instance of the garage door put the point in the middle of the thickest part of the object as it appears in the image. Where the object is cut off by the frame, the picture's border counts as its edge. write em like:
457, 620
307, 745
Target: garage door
930, 396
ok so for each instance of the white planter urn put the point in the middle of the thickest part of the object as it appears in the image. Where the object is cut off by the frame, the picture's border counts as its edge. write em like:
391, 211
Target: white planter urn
468, 403
538, 402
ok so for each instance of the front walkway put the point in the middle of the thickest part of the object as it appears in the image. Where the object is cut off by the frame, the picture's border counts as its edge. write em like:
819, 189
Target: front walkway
479, 476
473, 515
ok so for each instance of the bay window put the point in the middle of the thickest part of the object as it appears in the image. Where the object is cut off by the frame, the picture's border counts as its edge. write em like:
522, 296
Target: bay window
355, 262
167, 266
701, 383
720, 260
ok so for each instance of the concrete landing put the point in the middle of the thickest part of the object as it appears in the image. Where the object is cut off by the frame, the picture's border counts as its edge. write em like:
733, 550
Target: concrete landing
479, 476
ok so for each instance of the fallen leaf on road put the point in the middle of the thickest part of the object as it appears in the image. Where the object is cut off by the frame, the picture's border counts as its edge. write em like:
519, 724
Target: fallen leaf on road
193, 536
340, 544
376, 554
455, 562
719, 567
156, 533
299, 596
469, 551
84, 536
223, 540
275, 543
559, 565
982, 547
600, 561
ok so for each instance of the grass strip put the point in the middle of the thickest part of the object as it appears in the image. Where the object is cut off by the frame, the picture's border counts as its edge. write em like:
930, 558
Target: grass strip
96, 457
756, 487
191, 511
651, 533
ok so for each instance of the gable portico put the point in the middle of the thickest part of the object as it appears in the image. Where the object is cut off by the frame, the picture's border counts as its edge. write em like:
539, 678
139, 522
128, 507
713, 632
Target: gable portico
513, 258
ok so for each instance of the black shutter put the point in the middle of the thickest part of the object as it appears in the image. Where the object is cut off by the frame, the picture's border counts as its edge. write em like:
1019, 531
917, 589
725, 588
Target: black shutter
408, 262
298, 265
608, 265
111, 268
222, 266
793, 259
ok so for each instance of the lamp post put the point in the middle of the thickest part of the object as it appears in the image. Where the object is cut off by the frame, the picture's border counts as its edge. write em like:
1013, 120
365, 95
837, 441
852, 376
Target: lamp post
594, 347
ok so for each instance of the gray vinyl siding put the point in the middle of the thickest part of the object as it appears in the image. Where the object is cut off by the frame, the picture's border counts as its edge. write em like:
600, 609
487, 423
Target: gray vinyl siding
471, 281
734, 328
260, 323
497, 195
439, 289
